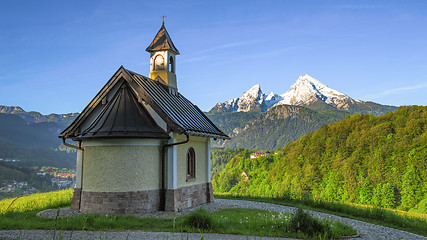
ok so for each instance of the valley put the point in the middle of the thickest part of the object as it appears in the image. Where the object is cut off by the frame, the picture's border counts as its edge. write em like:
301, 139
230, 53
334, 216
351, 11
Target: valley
29, 141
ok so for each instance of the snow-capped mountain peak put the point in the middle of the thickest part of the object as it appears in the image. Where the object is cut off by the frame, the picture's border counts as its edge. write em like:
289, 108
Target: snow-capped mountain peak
253, 93
271, 96
307, 90
272, 99
320, 87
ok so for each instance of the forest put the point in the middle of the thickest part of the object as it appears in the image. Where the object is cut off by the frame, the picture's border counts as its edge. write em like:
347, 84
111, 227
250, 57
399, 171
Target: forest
378, 161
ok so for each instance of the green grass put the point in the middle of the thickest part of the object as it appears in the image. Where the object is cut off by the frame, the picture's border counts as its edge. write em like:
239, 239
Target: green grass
411, 222
227, 221
37, 202
15, 216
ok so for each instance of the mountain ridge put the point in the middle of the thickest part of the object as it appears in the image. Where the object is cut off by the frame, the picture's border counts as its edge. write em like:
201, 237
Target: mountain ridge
36, 117
273, 128
306, 91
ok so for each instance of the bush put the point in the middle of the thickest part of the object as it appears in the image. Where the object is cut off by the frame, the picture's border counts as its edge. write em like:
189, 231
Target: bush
421, 207
199, 219
305, 223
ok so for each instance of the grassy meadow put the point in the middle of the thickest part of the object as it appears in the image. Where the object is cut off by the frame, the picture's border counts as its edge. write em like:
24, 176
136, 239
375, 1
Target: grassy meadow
20, 214
36, 202
408, 221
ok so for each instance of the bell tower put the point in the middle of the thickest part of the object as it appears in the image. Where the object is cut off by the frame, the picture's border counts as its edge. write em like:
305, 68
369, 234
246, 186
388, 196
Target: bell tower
162, 58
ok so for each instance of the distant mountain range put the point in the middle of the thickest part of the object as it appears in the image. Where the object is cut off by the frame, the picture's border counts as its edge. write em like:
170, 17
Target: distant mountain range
254, 121
307, 92
36, 117
32, 138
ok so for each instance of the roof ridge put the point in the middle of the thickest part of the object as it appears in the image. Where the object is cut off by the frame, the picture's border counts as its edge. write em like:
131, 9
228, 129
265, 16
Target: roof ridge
176, 110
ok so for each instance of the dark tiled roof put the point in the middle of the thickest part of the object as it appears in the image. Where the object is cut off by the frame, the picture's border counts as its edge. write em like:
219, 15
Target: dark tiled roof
162, 41
179, 113
123, 116
180, 110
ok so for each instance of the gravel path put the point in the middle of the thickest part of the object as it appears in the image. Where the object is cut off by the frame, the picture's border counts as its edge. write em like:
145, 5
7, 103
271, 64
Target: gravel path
365, 230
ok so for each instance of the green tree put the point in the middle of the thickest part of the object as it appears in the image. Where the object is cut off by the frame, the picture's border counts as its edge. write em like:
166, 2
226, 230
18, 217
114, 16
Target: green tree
388, 199
376, 196
333, 189
365, 192
412, 188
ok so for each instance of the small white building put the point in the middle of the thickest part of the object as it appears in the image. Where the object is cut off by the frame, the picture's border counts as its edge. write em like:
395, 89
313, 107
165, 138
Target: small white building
260, 154
142, 146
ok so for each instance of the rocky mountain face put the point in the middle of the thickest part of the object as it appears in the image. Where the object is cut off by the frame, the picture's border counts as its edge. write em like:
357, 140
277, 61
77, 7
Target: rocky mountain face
271, 129
253, 100
36, 117
306, 91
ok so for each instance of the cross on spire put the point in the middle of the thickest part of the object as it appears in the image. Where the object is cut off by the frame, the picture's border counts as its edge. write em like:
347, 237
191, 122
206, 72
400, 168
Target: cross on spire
163, 18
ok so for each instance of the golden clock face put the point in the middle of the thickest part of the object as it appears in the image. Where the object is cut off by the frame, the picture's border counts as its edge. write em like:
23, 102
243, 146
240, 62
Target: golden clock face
159, 63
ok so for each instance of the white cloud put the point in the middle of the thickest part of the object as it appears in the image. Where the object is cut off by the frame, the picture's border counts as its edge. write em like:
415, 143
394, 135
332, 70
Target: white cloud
231, 45
400, 90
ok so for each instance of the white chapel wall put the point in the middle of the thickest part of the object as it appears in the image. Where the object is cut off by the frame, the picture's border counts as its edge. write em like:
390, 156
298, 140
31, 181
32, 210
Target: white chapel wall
199, 145
121, 165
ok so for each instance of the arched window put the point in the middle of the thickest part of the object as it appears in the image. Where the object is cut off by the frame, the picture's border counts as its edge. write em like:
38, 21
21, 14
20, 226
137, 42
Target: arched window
159, 63
191, 164
171, 64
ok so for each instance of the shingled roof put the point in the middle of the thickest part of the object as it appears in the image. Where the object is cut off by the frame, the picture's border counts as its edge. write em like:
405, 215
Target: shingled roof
162, 41
180, 115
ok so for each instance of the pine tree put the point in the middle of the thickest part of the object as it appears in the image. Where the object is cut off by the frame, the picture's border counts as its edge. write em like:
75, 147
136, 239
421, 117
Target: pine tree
387, 196
333, 189
412, 188
376, 196
365, 192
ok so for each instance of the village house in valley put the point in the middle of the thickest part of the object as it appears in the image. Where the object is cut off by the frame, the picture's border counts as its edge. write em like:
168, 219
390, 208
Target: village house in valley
142, 146
260, 154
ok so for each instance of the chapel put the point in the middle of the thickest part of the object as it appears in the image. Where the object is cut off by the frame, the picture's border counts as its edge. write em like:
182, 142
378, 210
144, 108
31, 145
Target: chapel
141, 145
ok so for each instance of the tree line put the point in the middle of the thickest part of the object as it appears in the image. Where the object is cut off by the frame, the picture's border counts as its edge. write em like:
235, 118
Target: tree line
378, 161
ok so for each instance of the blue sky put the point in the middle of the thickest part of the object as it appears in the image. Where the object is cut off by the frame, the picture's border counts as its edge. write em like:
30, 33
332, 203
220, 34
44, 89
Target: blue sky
56, 55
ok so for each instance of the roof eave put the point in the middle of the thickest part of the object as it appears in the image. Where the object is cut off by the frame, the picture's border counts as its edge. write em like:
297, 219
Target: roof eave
162, 49
210, 135
70, 131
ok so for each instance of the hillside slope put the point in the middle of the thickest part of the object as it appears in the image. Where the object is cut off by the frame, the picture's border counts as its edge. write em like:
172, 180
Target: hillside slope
271, 129
34, 144
363, 159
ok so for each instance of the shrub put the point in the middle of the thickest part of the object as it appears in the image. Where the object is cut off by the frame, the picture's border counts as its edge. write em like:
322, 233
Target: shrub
199, 219
421, 207
303, 222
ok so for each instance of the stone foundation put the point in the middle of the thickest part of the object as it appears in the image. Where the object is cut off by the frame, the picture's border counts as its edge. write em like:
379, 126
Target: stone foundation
188, 196
120, 202
75, 203
141, 201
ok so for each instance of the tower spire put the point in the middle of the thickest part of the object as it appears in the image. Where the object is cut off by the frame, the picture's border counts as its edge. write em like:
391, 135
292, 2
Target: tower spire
163, 19
162, 57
